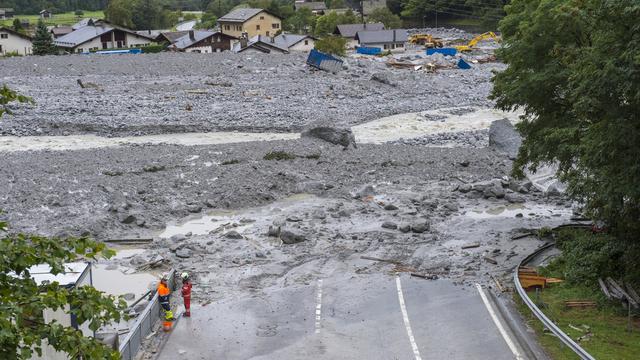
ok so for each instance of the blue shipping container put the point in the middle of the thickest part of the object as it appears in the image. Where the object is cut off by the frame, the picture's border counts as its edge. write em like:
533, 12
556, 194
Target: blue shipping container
368, 50
324, 61
443, 51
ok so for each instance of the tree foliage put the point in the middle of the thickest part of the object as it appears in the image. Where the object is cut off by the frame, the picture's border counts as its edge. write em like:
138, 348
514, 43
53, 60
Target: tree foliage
17, 25
119, 12
385, 16
42, 41
23, 331
327, 23
574, 68
335, 45
8, 96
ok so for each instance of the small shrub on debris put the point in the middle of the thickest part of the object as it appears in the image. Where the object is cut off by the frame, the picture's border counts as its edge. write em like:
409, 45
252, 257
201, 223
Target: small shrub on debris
279, 155
230, 162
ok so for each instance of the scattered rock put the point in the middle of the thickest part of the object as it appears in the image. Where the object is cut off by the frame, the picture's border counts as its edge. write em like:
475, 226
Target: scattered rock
390, 207
126, 219
129, 296
193, 208
420, 227
389, 225
233, 235
183, 253
178, 238
153, 168
405, 228
382, 77
274, 231
363, 192
505, 138
514, 198
332, 135
290, 237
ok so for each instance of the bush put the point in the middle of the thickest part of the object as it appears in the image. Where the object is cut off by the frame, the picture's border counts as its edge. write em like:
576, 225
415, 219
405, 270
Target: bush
332, 45
589, 256
153, 49
279, 155
230, 162
12, 54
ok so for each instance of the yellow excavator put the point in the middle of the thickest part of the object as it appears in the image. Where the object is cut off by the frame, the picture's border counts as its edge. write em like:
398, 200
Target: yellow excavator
476, 40
426, 40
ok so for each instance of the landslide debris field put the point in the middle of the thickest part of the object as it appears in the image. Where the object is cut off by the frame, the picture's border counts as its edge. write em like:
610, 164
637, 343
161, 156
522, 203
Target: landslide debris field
248, 218
166, 93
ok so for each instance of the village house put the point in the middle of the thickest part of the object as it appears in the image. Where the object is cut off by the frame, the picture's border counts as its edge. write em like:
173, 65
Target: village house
349, 31
12, 42
316, 7
170, 37
283, 43
205, 42
253, 22
46, 14
393, 40
60, 31
101, 35
6, 13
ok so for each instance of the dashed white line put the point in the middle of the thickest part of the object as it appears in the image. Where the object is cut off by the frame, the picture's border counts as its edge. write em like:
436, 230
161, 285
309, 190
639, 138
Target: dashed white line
319, 306
504, 334
405, 317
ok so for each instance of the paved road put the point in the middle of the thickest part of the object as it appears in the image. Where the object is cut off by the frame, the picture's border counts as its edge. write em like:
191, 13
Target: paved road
353, 317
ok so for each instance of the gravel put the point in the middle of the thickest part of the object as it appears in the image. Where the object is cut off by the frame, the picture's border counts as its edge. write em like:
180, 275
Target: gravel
178, 92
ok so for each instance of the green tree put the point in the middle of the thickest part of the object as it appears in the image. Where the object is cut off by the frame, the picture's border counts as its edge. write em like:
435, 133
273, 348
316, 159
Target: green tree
574, 68
332, 45
42, 41
79, 13
23, 331
208, 21
8, 96
385, 16
219, 7
17, 25
147, 14
119, 12
303, 21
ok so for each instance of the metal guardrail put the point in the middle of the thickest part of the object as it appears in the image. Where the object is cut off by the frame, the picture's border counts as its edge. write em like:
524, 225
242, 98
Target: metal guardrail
540, 315
144, 324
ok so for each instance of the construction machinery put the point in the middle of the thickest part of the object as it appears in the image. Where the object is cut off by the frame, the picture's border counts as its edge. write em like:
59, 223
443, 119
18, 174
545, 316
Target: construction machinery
476, 40
426, 40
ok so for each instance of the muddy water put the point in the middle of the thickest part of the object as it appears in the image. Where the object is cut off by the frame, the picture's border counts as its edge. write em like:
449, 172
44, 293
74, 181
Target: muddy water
521, 210
413, 125
386, 129
116, 282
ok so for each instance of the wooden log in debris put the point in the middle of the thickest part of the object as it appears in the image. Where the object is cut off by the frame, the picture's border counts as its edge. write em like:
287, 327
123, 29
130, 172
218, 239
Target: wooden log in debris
471, 246
632, 293
130, 240
490, 260
580, 304
615, 287
522, 236
605, 289
425, 276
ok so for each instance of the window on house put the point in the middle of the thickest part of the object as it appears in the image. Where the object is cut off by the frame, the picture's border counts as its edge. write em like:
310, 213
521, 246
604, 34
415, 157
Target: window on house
386, 47
261, 17
4, 36
267, 33
275, 26
257, 27
306, 42
227, 27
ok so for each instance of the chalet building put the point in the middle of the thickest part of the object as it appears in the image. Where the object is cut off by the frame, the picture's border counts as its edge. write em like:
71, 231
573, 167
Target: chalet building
316, 7
101, 35
6, 13
283, 43
14, 42
60, 31
253, 22
349, 31
205, 42
393, 40
46, 14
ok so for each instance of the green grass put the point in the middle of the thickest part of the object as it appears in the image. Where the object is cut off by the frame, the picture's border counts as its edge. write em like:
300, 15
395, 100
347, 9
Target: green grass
279, 155
68, 18
607, 323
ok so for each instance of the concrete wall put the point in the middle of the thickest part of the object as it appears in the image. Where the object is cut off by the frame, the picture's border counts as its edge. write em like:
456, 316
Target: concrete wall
302, 47
10, 42
267, 23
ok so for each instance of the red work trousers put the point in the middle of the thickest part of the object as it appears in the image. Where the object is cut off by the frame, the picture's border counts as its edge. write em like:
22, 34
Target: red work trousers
187, 305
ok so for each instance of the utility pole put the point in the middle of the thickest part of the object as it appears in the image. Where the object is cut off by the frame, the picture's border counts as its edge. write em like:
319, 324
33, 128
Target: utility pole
436, 6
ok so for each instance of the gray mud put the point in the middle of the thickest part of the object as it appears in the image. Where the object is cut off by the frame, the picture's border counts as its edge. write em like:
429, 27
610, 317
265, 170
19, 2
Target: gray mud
169, 93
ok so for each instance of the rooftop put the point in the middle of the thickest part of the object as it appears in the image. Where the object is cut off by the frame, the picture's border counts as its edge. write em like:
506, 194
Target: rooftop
82, 35
186, 41
71, 275
382, 36
241, 15
350, 30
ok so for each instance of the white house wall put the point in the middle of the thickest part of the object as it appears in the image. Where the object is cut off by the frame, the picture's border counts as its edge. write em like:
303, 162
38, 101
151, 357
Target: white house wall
15, 43
96, 44
199, 49
300, 46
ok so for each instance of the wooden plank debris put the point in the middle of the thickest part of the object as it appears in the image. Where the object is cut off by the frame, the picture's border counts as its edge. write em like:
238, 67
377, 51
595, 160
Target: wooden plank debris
390, 261
580, 304
471, 246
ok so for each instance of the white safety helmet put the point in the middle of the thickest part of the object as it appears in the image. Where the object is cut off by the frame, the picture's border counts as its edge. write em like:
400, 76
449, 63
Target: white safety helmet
184, 275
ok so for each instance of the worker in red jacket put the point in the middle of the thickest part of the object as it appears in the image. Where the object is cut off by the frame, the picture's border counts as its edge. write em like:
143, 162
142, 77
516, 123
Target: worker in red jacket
186, 293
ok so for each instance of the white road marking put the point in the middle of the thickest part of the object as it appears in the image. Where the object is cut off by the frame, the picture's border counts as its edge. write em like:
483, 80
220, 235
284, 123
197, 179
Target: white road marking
319, 306
504, 334
405, 317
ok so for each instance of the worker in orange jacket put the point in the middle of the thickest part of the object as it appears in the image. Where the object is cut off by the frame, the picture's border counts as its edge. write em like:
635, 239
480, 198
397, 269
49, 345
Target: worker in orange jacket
164, 294
186, 293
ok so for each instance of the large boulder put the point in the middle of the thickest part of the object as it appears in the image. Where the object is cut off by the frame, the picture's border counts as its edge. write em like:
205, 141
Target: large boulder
290, 237
332, 135
505, 138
